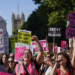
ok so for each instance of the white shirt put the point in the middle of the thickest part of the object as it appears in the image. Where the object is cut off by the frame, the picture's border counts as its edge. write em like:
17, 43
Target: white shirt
48, 70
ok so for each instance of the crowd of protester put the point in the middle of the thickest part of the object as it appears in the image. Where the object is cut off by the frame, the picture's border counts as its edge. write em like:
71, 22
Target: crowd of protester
40, 64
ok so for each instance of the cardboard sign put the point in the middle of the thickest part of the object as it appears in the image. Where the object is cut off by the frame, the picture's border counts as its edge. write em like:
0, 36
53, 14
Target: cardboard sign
54, 32
64, 45
19, 49
24, 37
2, 48
43, 44
13, 40
2, 73
56, 48
70, 30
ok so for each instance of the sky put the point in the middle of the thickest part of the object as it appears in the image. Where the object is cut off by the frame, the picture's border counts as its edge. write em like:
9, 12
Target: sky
9, 6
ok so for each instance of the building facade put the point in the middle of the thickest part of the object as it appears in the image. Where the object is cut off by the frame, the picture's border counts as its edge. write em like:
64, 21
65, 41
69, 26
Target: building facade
6, 37
17, 22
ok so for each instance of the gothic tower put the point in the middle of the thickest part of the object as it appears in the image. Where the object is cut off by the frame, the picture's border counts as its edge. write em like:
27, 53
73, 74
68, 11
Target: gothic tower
17, 22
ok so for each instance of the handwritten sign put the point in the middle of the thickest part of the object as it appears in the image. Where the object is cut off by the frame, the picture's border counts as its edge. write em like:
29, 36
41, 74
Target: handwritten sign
19, 49
70, 30
2, 73
43, 44
24, 37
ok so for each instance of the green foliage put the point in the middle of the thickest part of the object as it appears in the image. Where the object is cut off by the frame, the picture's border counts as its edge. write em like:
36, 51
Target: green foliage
15, 32
37, 1
23, 26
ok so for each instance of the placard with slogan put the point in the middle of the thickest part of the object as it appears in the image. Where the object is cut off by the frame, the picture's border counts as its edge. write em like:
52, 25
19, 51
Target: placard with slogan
70, 30
54, 32
2, 48
13, 40
19, 49
24, 37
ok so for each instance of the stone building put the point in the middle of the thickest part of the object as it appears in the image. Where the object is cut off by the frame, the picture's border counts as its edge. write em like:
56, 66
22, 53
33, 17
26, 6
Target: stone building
6, 37
17, 22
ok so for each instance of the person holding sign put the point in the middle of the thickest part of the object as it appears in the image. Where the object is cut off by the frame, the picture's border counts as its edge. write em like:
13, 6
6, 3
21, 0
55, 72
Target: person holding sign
63, 66
29, 66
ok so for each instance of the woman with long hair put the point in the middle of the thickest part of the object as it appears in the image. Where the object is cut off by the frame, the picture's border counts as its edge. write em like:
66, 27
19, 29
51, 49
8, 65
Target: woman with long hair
4, 60
11, 65
63, 65
29, 66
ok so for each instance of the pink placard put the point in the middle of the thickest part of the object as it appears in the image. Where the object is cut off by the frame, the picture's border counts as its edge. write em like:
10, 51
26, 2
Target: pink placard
64, 45
43, 44
18, 53
2, 73
56, 48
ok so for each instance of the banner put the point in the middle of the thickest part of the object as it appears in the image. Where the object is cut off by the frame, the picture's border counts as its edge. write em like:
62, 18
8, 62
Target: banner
19, 49
43, 44
70, 30
2, 48
24, 37
64, 45
13, 40
2, 73
56, 48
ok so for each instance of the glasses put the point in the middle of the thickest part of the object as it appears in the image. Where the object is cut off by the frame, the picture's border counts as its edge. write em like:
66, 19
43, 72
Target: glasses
26, 53
10, 61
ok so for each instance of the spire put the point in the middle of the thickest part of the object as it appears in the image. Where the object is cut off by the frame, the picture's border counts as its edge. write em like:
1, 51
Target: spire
18, 16
18, 7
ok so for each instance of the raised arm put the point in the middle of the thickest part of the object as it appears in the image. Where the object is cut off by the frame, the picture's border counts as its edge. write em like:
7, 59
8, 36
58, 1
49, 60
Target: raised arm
39, 58
73, 56
53, 71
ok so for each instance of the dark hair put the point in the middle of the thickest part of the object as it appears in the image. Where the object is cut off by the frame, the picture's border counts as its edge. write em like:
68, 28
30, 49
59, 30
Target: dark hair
11, 57
2, 57
30, 53
68, 64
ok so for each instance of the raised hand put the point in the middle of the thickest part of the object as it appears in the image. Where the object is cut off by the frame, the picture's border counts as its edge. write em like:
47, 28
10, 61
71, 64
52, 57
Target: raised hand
35, 38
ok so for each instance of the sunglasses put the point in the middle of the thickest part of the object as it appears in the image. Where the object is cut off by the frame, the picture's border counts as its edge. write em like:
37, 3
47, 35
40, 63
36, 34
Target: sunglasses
10, 61
48, 56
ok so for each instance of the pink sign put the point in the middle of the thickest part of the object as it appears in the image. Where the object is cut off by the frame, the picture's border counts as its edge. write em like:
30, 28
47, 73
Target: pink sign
70, 30
18, 53
56, 48
2, 73
64, 45
43, 44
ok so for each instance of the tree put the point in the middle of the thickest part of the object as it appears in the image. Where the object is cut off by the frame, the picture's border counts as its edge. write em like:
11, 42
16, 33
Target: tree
37, 1
15, 31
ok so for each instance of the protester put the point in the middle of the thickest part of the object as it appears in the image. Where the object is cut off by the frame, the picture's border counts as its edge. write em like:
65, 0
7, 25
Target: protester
12, 55
44, 68
11, 65
49, 56
4, 61
63, 62
50, 68
30, 66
